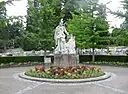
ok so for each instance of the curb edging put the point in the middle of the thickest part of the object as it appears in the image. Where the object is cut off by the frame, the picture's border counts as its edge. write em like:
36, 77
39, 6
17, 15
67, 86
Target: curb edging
106, 76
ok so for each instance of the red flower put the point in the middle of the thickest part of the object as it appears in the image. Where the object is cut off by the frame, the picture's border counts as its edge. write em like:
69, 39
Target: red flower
39, 68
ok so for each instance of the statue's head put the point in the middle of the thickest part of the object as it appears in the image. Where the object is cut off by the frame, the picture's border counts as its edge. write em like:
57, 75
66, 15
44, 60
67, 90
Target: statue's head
61, 22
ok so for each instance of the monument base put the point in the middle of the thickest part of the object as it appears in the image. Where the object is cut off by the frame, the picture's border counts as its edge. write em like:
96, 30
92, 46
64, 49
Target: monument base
64, 60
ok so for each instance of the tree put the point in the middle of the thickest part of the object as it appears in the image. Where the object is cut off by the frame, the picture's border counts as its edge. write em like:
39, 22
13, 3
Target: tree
120, 34
124, 15
120, 37
90, 27
10, 27
41, 23
3, 24
68, 7
15, 28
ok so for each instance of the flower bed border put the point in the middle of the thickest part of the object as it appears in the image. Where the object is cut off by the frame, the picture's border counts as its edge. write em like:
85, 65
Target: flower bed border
105, 76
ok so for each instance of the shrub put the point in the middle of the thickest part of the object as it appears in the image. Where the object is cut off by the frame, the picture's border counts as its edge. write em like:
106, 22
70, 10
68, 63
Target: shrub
108, 58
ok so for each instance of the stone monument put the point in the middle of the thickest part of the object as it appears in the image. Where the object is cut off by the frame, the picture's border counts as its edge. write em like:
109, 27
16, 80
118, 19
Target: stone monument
64, 53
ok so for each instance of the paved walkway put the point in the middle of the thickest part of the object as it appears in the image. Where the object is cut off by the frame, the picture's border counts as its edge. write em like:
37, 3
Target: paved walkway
10, 83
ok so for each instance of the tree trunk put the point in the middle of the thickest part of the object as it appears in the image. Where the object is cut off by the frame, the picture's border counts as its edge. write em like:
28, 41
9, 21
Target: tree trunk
93, 54
5, 42
45, 55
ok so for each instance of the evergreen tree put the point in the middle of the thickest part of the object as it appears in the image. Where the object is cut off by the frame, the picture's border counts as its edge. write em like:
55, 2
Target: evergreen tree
120, 35
68, 7
41, 23
90, 27
3, 24
124, 15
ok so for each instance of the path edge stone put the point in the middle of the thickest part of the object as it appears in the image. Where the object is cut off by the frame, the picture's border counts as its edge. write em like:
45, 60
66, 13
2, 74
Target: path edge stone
105, 76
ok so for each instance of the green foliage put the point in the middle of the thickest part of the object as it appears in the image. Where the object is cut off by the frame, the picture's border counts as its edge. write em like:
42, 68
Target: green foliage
29, 41
90, 26
120, 37
119, 64
18, 64
107, 58
82, 26
10, 27
77, 27
100, 59
3, 25
123, 14
3, 19
21, 59
41, 23
69, 6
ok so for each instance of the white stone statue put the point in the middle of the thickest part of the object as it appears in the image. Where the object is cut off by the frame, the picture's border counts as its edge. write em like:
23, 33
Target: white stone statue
63, 47
60, 36
60, 32
71, 45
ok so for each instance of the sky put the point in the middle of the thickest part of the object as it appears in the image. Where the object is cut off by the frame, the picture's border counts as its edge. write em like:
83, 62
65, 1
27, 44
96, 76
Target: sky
19, 8
114, 6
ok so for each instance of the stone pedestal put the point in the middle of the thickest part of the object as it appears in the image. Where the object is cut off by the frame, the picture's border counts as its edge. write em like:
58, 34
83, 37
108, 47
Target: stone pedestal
64, 60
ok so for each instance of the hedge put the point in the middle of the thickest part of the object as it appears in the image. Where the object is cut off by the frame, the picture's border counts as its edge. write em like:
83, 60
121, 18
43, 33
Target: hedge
85, 58
82, 58
18, 59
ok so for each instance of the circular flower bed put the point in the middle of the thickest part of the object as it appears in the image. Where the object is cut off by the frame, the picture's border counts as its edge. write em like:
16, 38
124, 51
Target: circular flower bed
75, 72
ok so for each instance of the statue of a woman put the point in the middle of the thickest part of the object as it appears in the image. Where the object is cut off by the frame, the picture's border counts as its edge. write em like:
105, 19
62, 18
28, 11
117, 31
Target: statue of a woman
60, 36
